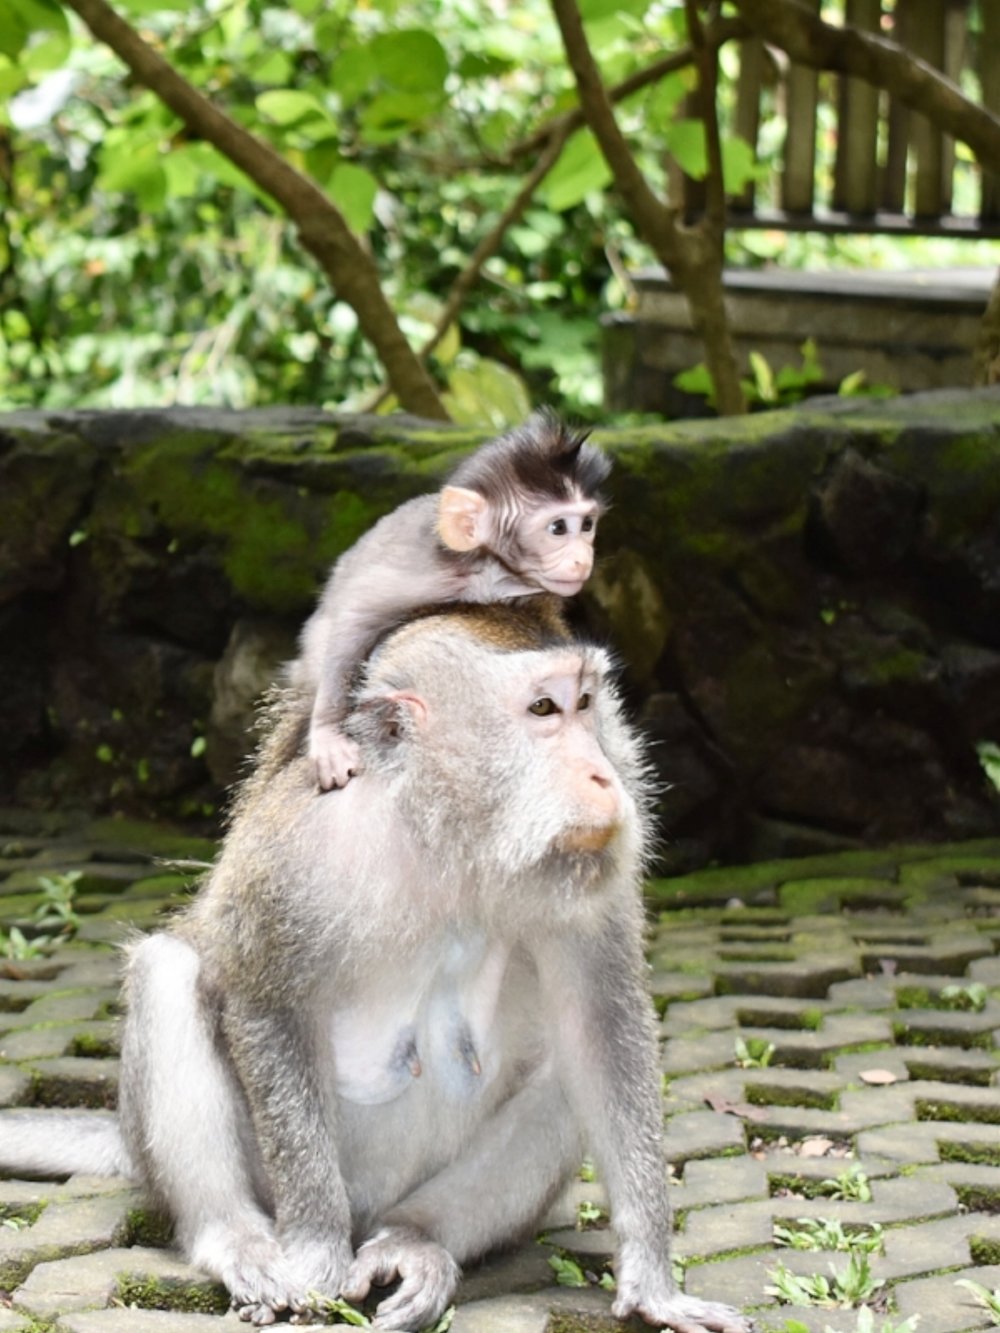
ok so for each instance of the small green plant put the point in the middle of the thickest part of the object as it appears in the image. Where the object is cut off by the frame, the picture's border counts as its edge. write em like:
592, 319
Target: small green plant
53, 920
989, 1300
824, 1233
341, 1311
851, 1185
753, 1052
570, 1273
56, 910
866, 1324
590, 1215
586, 1172
989, 757
844, 1290
970, 997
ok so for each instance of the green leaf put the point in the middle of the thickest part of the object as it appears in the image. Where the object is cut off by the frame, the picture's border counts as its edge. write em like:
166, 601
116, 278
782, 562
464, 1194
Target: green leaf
391, 114
580, 170
685, 141
739, 164
486, 393
666, 97
354, 72
21, 18
353, 190
129, 168
593, 10
413, 60
290, 107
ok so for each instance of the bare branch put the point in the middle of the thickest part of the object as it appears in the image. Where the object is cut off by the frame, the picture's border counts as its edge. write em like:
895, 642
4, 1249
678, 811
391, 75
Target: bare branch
653, 218
810, 41
321, 226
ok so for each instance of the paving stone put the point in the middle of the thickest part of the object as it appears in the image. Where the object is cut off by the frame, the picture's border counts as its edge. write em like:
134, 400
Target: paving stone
944, 1307
72, 1080
720, 1180
930, 1141
703, 1134
929, 1246
144, 1321
85, 1281
65, 1227
15, 1086
811, 983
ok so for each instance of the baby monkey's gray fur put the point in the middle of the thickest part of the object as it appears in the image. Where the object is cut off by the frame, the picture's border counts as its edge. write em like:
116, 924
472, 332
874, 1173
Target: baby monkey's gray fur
377, 1045
517, 517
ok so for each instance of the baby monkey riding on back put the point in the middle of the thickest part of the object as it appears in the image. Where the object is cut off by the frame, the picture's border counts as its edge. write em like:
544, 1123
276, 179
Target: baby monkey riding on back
516, 518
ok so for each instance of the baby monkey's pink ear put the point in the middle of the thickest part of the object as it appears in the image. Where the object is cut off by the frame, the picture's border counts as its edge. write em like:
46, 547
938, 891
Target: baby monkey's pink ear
461, 523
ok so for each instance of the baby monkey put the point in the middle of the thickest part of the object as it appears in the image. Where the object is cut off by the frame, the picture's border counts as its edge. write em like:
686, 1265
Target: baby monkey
517, 517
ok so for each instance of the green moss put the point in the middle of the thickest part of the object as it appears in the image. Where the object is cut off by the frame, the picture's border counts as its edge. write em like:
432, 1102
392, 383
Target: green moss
979, 1198
984, 1250
770, 1094
975, 1154
22, 1214
147, 1226
150, 1293
93, 1047
984, 1113
905, 1035
807, 897
160, 840
565, 1321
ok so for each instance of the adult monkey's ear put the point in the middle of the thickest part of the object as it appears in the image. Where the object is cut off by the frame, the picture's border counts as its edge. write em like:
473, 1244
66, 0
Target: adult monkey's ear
461, 521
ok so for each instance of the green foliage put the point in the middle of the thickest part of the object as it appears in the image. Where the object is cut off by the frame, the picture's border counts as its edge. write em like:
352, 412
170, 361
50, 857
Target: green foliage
972, 996
866, 1324
765, 387
989, 757
851, 1185
822, 1233
844, 1289
983, 1296
53, 921
753, 1052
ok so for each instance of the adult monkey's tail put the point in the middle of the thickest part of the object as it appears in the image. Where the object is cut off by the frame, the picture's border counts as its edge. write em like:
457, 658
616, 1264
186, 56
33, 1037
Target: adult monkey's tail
61, 1143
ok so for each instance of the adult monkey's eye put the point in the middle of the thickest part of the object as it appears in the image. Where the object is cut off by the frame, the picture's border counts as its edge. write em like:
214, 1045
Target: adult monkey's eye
543, 707
584, 702
558, 527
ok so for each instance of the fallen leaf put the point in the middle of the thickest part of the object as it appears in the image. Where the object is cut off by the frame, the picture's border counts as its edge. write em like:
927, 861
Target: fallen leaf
745, 1109
816, 1147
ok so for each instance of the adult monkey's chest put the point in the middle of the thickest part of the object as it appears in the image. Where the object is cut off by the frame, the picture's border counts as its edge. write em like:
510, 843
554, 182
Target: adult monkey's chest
432, 1021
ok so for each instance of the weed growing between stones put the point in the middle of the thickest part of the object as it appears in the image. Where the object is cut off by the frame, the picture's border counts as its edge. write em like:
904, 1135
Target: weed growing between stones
866, 1324
989, 1300
844, 1289
825, 1233
753, 1052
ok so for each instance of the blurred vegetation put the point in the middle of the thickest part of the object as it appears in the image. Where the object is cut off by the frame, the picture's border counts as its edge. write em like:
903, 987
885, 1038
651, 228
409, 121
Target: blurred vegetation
139, 267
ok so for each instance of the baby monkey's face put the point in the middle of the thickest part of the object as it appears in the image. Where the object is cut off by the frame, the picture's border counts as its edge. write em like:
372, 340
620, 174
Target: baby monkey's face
557, 544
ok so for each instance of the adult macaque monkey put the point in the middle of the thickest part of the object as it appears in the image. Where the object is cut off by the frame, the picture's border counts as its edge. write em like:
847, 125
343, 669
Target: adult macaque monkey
517, 517
376, 1045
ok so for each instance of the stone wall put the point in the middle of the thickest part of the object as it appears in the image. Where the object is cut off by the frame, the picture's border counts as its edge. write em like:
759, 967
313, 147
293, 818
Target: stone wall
807, 605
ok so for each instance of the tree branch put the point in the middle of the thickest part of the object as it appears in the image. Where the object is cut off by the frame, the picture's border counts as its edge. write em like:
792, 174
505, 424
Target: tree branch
321, 226
724, 30
810, 41
485, 250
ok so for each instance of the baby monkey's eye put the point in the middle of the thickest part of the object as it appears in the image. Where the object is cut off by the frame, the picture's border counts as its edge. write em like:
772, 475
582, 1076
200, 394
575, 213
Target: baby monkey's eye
543, 707
558, 527
583, 703
589, 524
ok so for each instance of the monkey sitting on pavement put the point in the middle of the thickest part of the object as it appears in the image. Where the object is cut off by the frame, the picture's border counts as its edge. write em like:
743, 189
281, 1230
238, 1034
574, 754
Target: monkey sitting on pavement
378, 1043
517, 517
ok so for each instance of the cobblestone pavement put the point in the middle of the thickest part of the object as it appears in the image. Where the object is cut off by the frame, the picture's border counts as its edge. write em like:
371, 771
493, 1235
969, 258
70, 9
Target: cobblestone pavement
830, 1053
